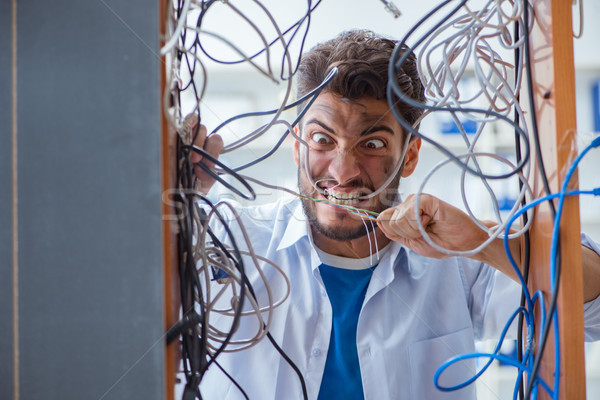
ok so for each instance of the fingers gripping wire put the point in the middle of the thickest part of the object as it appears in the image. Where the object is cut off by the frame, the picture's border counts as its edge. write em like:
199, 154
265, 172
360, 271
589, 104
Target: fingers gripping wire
461, 40
493, 233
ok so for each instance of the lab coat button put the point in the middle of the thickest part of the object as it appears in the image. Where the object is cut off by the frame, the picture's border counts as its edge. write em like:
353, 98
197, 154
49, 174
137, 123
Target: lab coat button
316, 352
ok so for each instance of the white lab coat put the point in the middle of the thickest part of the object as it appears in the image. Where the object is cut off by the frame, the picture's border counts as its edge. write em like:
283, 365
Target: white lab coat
417, 313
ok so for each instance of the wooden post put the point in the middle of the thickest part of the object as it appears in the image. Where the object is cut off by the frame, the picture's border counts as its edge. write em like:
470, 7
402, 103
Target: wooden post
169, 182
554, 87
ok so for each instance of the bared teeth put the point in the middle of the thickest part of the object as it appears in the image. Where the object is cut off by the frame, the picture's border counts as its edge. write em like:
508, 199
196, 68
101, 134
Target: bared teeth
342, 198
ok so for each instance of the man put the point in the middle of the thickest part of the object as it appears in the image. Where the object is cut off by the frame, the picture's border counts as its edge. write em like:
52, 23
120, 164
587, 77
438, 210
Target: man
373, 309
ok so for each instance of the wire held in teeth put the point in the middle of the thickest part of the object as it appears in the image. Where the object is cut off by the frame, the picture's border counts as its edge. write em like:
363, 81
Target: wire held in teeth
363, 213
368, 214
325, 191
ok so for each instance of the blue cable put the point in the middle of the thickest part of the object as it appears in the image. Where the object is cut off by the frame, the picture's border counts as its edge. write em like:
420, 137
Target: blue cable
491, 356
553, 255
531, 301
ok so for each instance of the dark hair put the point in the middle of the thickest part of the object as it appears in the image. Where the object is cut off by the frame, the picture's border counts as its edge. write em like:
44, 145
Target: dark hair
362, 58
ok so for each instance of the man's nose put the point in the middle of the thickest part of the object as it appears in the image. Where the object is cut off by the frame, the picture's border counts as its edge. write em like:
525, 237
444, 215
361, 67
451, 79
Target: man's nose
344, 167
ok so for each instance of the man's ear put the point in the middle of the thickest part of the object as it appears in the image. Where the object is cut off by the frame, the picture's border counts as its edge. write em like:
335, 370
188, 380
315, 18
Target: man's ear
412, 157
296, 146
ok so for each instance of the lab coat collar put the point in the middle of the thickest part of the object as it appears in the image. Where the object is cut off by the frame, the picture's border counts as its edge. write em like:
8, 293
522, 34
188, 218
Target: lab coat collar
296, 229
385, 272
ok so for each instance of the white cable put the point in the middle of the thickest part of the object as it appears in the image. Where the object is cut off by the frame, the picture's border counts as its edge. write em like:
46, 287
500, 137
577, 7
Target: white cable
495, 232
177, 33
216, 335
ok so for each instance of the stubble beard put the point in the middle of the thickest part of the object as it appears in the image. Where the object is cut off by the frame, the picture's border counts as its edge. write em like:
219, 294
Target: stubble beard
382, 201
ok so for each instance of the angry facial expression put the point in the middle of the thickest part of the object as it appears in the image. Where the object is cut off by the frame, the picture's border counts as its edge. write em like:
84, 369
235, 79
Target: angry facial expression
353, 148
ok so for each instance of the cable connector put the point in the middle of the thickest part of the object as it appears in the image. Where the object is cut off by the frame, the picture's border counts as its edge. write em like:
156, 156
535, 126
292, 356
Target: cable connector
596, 191
595, 142
391, 7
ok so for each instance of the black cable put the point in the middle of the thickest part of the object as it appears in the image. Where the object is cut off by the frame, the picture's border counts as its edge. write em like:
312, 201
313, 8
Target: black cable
193, 346
237, 385
192, 328
239, 264
553, 301
227, 170
307, 17
248, 286
396, 62
297, 25
399, 56
187, 232
180, 326
245, 285
314, 93
526, 238
284, 354
291, 364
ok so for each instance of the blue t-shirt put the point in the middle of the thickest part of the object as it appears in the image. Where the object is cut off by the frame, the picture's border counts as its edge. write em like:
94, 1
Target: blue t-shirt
346, 289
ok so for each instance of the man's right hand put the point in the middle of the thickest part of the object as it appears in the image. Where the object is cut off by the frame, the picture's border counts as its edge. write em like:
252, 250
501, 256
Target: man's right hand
212, 145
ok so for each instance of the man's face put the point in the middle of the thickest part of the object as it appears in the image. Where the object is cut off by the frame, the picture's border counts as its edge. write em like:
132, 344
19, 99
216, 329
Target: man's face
354, 146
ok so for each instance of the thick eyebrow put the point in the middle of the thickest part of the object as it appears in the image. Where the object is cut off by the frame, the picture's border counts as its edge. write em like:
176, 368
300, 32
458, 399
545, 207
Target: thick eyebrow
377, 128
372, 129
321, 124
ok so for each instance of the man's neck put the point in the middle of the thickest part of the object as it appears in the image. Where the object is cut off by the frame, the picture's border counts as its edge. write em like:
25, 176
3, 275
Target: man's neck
355, 248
